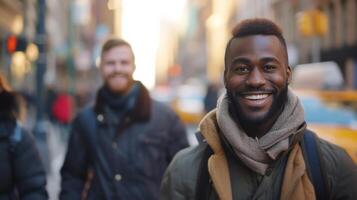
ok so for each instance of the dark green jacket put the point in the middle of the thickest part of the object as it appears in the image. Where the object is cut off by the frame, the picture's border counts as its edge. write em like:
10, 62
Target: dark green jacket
180, 179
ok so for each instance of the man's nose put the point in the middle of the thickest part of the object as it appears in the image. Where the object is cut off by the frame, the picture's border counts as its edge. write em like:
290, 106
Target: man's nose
118, 67
255, 78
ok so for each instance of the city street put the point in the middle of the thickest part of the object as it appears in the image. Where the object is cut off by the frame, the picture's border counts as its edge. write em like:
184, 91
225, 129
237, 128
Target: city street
139, 62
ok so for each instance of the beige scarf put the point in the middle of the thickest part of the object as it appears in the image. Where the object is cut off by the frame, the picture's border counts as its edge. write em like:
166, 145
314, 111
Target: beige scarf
296, 184
258, 153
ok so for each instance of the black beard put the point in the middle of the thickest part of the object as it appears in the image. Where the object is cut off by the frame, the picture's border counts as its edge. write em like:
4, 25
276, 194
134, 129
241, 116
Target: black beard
277, 106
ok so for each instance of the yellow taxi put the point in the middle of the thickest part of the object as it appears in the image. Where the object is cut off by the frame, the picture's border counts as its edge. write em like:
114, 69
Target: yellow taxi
331, 115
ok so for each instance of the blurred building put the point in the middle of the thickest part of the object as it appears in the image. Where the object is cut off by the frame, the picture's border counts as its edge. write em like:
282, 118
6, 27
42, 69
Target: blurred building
315, 31
202, 47
75, 31
338, 43
17, 20
75, 41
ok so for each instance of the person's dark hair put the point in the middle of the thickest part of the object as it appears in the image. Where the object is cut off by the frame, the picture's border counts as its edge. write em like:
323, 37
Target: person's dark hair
8, 106
115, 42
256, 26
10, 102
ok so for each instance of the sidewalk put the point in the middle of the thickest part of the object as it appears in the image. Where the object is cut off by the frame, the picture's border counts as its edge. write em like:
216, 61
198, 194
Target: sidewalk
52, 150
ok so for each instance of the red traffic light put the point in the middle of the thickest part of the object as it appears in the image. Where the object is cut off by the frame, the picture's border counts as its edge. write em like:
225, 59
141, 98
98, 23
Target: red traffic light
11, 44
14, 43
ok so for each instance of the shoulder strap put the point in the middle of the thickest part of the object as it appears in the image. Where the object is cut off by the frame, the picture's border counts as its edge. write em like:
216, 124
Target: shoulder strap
14, 138
312, 157
203, 181
88, 123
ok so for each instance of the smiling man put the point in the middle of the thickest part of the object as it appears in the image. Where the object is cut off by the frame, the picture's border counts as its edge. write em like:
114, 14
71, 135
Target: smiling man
257, 81
120, 147
255, 144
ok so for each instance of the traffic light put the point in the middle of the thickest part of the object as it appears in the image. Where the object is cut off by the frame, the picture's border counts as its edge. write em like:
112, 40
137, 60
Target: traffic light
305, 23
15, 43
321, 22
312, 23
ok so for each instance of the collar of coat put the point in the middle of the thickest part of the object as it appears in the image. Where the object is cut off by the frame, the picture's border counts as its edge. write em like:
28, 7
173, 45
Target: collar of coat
296, 184
141, 111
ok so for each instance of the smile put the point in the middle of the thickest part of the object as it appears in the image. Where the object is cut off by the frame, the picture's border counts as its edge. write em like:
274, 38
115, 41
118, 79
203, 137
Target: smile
256, 99
255, 96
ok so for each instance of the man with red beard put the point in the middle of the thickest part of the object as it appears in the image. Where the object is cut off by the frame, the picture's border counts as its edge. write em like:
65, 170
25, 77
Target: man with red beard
120, 147
255, 144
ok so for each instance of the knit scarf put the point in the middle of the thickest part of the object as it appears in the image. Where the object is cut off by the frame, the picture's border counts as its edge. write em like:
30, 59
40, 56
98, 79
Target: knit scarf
258, 153
119, 103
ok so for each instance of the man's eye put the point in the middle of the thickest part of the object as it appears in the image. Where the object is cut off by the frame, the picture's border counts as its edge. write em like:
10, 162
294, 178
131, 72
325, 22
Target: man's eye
269, 67
125, 62
242, 69
111, 63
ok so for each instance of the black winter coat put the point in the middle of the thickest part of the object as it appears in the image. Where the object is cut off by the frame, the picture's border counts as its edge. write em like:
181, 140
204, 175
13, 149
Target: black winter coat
127, 163
20, 166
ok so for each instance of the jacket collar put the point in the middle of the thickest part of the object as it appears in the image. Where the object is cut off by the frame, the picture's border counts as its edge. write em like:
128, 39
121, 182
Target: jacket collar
140, 113
217, 163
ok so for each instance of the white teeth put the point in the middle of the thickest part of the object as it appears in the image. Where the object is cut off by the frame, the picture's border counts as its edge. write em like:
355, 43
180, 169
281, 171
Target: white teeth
256, 96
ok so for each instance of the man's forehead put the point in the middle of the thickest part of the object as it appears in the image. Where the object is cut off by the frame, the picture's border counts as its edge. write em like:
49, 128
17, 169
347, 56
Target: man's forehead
255, 41
123, 48
262, 45
118, 51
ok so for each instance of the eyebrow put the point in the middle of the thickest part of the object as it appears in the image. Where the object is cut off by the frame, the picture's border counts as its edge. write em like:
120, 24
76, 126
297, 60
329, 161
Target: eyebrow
240, 60
269, 59
264, 59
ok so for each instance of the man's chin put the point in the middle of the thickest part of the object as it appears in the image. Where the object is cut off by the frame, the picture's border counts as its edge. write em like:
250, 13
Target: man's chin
243, 117
119, 89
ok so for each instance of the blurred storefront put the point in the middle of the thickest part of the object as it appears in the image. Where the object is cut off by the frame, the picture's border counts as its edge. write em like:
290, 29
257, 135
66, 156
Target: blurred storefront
338, 43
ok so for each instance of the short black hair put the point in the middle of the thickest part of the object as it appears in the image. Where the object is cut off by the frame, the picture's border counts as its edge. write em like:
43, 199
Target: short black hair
256, 26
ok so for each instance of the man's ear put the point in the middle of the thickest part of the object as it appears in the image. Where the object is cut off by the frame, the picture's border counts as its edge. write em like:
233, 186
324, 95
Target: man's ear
225, 77
289, 74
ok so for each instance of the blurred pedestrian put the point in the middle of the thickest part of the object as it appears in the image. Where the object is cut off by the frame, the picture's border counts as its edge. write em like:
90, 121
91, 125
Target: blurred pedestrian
22, 175
211, 97
120, 147
255, 145
62, 108
62, 113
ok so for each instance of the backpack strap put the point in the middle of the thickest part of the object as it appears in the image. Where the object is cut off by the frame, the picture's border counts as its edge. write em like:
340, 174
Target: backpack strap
14, 138
203, 186
89, 125
314, 163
